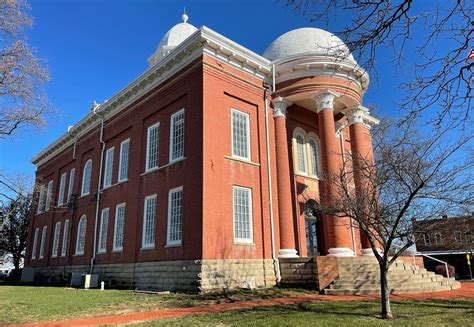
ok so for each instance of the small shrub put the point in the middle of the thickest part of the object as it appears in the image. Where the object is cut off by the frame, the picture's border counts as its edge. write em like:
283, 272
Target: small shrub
441, 270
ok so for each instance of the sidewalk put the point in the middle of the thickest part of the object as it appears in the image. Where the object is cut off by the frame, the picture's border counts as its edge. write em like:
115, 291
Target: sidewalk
466, 291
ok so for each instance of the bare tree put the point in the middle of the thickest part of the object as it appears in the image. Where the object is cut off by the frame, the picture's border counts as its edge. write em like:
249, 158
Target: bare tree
22, 75
431, 39
409, 176
14, 219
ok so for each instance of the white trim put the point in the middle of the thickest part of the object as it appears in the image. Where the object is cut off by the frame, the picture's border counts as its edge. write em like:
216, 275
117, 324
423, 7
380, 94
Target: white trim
247, 139
108, 175
40, 208
172, 140
101, 230
298, 131
44, 231
65, 244
250, 198
77, 252
117, 207
313, 137
168, 231
56, 236
145, 212
49, 196
35, 244
148, 130
62, 189
70, 187
119, 177
89, 177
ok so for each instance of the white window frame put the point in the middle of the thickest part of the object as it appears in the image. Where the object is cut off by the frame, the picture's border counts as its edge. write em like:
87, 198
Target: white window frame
35, 244
41, 199
70, 187
119, 206
145, 213
64, 246
427, 239
249, 190
172, 140
43, 241
79, 229
168, 228
247, 121
62, 189
109, 167
147, 161
57, 235
299, 132
89, 177
104, 226
122, 178
436, 235
49, 196
309, 157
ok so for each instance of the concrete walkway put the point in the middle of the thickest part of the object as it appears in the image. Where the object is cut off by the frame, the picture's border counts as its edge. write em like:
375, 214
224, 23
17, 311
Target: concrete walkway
466, 291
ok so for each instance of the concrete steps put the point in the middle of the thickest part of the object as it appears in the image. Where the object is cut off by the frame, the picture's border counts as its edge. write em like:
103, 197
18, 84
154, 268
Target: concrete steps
361, 276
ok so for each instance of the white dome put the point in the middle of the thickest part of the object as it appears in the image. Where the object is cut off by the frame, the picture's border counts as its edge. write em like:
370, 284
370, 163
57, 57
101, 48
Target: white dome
172, 39
308, 40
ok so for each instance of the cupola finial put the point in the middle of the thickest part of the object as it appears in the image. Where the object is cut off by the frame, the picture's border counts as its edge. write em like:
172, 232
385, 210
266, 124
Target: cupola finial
184, 17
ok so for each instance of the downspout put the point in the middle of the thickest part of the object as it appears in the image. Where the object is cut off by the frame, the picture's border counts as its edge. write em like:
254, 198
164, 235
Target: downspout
276, 263
99, 189
345, 172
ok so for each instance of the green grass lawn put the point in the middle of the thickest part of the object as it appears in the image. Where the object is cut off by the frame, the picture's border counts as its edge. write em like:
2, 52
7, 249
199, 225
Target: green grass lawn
352, 313
20, 304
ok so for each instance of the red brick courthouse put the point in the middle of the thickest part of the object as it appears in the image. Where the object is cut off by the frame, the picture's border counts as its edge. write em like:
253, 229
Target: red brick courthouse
200, 174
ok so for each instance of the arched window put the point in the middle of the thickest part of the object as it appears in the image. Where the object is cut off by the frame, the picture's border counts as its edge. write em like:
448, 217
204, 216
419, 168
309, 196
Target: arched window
301, 153
86, 177
81, 235
314, 155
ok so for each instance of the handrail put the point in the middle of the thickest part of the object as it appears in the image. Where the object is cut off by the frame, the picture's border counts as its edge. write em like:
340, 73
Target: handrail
427, 256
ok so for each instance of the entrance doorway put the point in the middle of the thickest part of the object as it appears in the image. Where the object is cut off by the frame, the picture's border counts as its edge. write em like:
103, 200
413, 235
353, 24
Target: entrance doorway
312, 223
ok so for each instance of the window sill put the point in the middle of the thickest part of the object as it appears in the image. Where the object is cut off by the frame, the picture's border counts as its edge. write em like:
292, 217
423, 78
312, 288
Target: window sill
162, 167
78, 255
117, 250
244, 243
307, 176
84, 195
173, 245
150, 247
111, 186
101, 252
242, 160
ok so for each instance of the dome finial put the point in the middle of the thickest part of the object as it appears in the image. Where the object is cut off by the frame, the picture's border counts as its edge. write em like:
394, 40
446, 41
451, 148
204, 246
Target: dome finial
184, 17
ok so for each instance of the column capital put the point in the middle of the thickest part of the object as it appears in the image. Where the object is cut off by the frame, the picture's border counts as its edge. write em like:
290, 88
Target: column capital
325, 99
279, 107
360, 114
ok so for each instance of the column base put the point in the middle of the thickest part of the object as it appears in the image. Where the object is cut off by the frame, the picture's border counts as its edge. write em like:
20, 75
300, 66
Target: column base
340, 252
288, 253
369, 252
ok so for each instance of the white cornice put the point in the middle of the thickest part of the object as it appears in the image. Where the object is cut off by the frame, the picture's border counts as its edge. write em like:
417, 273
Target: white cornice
202, 41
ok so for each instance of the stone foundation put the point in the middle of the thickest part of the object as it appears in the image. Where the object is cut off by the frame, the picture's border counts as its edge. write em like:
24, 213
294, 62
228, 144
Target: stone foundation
188, 275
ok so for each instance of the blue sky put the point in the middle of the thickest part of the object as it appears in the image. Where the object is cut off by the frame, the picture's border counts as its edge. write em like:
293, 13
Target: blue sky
95, 48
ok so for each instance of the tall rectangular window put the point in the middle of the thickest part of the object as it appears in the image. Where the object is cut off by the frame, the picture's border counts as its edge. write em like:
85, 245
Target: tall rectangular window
240, 135
123, 163
41, 199
149, 222
49, 195
65, 238
86, 177
177, 136
104, 224
62, 189
119, 225
152, 146
35, 244
57, 234
71, 184
43, 241
243, 231
175, 216
109, 167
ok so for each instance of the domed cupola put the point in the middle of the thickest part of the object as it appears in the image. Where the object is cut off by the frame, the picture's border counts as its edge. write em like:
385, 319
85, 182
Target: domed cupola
308, 41
172, 39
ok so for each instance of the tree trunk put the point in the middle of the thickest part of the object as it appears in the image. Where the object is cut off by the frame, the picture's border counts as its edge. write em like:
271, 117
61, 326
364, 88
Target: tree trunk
385, 294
